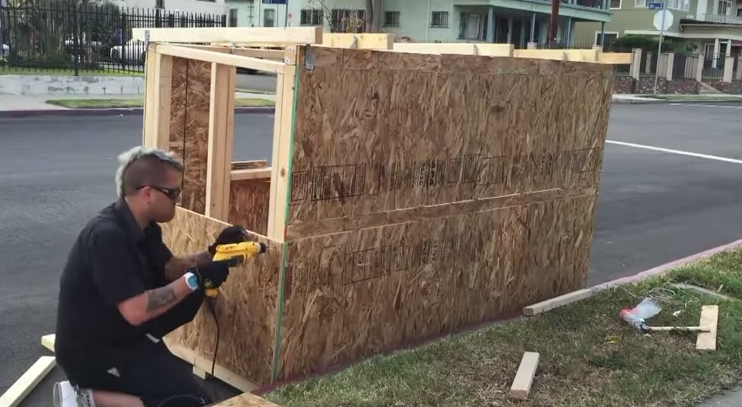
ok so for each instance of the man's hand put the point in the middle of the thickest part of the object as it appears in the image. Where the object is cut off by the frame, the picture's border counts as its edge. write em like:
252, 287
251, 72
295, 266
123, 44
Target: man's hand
213, 275
230, 234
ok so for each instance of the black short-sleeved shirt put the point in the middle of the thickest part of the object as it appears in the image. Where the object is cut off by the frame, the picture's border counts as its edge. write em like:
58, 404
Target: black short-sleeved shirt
112, 259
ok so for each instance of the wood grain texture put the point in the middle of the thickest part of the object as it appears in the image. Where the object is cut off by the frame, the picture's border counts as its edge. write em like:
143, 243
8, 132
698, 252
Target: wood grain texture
196, 136
189, 127
355, 294
428, 193
378, 132
245, 308
249, 204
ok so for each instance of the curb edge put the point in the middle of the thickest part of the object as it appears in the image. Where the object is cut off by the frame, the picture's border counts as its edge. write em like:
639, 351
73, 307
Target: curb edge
17, 114
664, 268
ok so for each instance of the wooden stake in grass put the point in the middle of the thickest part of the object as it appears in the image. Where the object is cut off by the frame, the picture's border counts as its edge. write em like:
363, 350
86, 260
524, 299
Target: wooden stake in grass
710, 320
524, 378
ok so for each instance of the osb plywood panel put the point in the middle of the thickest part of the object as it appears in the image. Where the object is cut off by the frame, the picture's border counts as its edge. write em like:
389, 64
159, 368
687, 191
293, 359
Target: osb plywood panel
245, 308
178, 101
249, 202
379, 132
189, 127
351, 295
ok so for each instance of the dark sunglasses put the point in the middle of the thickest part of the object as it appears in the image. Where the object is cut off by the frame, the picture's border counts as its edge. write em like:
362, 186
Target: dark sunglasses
172, 193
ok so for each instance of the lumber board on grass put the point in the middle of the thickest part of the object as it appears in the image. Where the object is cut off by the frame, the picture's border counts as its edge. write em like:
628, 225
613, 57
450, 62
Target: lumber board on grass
246, 400
524, 377
47, 341
28, 381
240, 35
709, 319
556, 302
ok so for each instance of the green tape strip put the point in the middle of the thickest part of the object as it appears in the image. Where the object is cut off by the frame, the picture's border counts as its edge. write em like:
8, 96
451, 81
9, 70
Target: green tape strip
285, 249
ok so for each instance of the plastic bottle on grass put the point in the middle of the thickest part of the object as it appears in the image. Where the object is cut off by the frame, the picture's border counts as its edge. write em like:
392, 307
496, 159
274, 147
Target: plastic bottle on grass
637, 316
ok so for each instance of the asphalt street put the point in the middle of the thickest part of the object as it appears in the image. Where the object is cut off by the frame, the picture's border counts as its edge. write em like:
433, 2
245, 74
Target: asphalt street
55, 173
263, 82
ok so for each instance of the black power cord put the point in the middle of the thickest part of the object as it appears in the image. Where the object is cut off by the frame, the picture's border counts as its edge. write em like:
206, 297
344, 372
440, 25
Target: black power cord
210, 305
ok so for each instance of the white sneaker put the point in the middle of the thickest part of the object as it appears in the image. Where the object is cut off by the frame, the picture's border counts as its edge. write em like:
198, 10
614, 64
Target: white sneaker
66, 396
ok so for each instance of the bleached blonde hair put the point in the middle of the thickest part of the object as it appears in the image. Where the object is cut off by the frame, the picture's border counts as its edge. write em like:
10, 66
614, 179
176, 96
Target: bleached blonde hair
152, 160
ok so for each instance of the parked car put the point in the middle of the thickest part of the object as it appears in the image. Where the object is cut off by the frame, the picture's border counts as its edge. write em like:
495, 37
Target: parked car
132, 52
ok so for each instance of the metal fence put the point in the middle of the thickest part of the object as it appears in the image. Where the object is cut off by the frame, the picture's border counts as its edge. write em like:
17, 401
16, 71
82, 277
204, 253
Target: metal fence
72, 38
713, 67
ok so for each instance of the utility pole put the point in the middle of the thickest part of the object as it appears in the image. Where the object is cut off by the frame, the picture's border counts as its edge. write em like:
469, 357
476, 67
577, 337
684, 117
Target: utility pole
554, 22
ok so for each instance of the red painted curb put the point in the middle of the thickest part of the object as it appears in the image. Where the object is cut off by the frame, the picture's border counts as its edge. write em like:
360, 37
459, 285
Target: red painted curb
659, 270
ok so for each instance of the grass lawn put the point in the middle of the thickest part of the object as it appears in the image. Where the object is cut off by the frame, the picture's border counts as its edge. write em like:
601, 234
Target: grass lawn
589, 357
39, 71
124, 103
260, 92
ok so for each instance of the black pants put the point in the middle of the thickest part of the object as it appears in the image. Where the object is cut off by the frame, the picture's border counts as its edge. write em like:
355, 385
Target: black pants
148, 370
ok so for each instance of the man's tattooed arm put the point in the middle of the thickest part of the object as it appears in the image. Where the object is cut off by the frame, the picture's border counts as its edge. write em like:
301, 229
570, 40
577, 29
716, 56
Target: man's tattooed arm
153, 303
160, 298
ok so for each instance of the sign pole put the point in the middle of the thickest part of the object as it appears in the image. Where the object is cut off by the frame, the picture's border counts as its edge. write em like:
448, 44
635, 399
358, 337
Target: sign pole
659, 49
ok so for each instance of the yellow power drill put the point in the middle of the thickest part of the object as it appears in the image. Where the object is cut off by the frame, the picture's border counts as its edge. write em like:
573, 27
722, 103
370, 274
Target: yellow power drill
235, 254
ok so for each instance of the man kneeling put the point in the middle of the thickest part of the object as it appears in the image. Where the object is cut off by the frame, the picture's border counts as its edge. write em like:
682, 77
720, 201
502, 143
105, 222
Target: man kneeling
122, 291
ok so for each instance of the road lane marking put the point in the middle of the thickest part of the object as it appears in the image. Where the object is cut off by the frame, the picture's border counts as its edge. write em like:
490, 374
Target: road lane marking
701, 105
667, 150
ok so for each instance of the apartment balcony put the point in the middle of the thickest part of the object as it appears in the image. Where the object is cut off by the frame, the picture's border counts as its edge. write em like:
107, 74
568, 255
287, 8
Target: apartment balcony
714, 19
594, 4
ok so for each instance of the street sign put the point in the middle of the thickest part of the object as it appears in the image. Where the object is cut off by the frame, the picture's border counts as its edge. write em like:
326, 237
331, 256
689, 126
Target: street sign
656, 6
275, 1
663, 20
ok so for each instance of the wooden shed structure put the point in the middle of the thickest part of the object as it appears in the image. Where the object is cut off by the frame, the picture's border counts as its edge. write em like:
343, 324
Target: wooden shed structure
413, 189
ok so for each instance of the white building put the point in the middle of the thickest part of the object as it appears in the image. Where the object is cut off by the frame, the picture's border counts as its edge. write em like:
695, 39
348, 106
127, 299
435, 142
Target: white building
172, 6
496, 21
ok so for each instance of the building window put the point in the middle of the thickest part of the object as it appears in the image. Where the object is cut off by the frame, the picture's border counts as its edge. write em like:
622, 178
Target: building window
472, 26
233, 17
609, 38
311, 17
391, 19
348, 21
724, 8
439, 19
640, 3
160, 4
269, 17
682, 5
615, 4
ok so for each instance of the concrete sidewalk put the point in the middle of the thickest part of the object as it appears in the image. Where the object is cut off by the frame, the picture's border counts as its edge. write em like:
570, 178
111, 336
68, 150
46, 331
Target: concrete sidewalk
15, 106
20, 102
732, 398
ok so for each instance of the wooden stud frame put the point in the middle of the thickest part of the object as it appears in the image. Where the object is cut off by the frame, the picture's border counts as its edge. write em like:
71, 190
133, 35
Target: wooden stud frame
228, 48
209, 44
